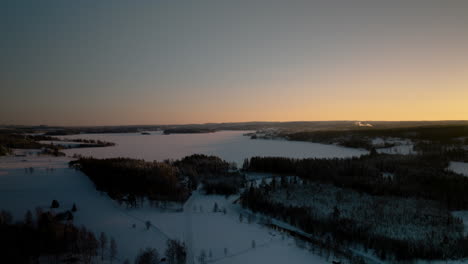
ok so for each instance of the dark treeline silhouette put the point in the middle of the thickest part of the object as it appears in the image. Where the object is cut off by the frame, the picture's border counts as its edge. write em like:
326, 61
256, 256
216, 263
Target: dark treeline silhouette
10, 141
423, 176
183, 130
361, 138
91, 142
130, 180
127, 179
217, 175
175, 253
345, 232
48, 237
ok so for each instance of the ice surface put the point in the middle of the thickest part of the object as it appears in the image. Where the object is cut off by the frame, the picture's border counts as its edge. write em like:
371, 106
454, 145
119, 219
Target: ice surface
229, 145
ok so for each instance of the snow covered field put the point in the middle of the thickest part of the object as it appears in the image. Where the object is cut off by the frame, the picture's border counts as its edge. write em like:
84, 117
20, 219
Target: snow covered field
34, 181
402, 146
50, 178
228, 145
459, 167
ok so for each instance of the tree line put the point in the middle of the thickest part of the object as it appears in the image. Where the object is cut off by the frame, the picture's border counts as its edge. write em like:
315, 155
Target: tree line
48, 236
132, 180
337, 232
423, 176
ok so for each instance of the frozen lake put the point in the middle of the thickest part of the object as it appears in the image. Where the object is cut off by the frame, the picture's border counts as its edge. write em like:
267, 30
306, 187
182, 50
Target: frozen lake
229, 145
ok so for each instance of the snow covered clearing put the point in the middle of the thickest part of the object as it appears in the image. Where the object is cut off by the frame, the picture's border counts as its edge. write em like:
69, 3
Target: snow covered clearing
459, 167
50, 178
401, 146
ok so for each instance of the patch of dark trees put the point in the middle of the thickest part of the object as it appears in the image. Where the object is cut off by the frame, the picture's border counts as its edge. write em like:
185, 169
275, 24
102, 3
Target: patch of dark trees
423, 176
444, 135
10, 141
132, 180
45, 236
87, 143
22, 141
338, 232
176, 253
216, 175
183, 130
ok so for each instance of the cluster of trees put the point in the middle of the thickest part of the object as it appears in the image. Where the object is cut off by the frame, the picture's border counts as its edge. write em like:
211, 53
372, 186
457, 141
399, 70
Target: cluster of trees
52, 150
217, 175
130, 180
48, 237
175, 253
187, 130
442, 135
91, 143
10, 141
423, 176
338, 232
346, 138
457, 152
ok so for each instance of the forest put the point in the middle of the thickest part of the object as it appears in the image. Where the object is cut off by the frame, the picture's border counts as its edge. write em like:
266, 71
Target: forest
131, 180
421, 176
48, 236
394, 229
366, 200
187, 131
442, 136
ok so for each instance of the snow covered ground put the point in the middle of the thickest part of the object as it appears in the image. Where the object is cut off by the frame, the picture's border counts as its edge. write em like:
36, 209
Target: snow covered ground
402, 146
34, 181
50, 178
31, 181
459, 167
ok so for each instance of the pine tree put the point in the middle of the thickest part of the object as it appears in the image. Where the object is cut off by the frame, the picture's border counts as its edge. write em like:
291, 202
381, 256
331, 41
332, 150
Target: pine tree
55, 204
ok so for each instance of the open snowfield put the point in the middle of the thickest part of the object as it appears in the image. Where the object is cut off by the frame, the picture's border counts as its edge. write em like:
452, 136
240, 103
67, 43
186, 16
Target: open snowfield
459, 167
34, 181
231, 146
22, 190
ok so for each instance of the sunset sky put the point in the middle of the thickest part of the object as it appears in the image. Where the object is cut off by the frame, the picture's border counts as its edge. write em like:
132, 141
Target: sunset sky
173, 62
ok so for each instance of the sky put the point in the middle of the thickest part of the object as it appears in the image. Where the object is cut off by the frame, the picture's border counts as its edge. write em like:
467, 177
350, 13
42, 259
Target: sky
175, 62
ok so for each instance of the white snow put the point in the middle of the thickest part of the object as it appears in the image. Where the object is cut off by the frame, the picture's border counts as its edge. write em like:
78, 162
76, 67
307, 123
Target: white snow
22, 189
399, 149
459, 167
402, 146
229, 145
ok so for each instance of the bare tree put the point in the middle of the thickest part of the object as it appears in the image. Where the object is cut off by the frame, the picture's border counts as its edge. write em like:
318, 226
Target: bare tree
113, 249
103, 243
176, 252
202, 257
